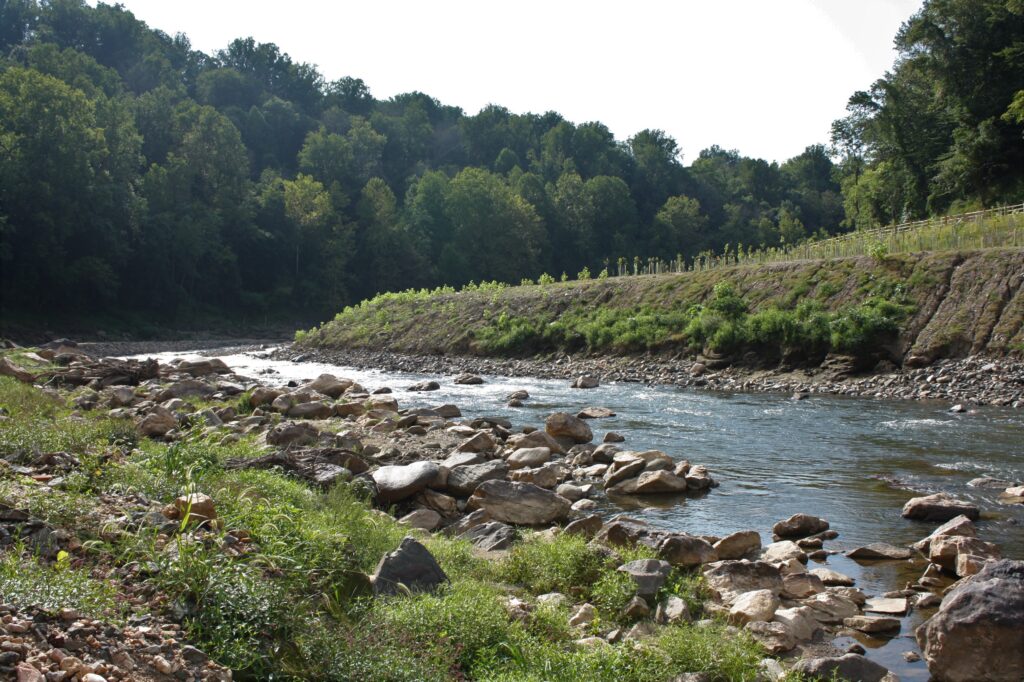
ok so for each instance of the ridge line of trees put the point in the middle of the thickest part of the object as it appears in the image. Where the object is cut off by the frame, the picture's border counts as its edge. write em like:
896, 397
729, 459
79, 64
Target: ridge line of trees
139, 173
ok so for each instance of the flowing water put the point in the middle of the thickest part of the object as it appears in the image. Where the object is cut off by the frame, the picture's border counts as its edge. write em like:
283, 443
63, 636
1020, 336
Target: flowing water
854, 462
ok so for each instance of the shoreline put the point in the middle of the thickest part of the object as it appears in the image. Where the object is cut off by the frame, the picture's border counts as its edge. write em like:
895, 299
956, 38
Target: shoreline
971, 381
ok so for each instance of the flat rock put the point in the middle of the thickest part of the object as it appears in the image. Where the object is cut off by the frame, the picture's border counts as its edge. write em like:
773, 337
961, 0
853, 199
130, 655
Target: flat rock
520, 503
872, 624
491, 536
783, 551
939, 507
896, 606
832, 578
396, 483
412, 566
595, 413
880, 551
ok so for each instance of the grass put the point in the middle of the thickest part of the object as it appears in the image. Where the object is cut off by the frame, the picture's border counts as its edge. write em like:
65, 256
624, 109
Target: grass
295, 604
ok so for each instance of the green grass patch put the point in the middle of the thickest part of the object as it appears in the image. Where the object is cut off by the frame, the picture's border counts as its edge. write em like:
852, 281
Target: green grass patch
27, 581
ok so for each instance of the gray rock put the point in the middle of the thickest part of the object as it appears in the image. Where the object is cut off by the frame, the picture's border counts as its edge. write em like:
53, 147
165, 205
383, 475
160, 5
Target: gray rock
939, 507
588, 526
491, 536
464, 480
411, 565
468, 380
585, 381
880, 551
800, 526
978, 632
395, 483
648, 574
289, 434
424, 386
529, 458
520, 503
595, 413
851, 667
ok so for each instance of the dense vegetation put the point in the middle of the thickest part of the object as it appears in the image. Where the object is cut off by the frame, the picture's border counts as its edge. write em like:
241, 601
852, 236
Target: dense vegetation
139, 174
296, 606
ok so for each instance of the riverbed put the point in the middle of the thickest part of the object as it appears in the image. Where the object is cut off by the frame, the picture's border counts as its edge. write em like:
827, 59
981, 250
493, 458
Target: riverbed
852, 461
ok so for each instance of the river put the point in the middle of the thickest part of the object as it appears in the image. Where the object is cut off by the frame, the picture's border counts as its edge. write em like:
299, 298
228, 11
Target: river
854, 462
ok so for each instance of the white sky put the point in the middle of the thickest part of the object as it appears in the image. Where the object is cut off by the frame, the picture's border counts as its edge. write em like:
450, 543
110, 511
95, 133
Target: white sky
764, 77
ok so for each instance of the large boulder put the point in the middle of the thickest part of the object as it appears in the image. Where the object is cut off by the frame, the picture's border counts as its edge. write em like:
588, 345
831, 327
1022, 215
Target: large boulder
686, 551
529, 458
945, 550
978, 633
520, 503
756, 605
395, 483
939, 507
850, 667
800, 526
463, 480
490, 536
958, 525
564, 425
159, 422
585, 381
738, 544
411, 566
535, 439
729, 579
651, 483
330, 385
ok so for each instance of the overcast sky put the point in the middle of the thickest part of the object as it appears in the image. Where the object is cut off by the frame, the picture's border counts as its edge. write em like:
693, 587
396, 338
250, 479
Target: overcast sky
764, 77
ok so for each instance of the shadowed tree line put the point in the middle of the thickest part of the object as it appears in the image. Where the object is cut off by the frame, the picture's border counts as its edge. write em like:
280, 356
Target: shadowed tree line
138, 173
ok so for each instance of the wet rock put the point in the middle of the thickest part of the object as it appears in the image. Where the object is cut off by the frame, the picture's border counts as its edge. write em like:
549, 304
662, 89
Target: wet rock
989, 483
612, 437
330, 385
939, 507
958, 525
757, 605
468, 380
491, 536
880, 551
398, 482
648, 574
686, 551
594, 413
463, 480
699, 478
624, 467
978, 632
738, 545
850, 667
520, 503
424, 386
800, 526
412, 566
564, 425
585, 381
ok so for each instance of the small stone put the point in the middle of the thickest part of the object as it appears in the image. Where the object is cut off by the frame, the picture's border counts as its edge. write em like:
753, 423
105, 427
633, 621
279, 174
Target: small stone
636, 608
582, 615
891, 606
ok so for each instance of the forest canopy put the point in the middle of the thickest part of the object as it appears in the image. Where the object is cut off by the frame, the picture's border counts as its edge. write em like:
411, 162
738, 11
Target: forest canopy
141, 174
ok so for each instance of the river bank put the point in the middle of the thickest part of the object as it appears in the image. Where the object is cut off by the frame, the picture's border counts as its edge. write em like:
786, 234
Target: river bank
324, 431
964, 381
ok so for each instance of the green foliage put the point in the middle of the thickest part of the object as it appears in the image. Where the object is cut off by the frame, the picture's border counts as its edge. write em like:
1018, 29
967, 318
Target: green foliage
545, 278
27, 581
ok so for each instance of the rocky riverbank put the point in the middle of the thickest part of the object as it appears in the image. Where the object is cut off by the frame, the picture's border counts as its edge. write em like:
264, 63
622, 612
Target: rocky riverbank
965, 381
508, 493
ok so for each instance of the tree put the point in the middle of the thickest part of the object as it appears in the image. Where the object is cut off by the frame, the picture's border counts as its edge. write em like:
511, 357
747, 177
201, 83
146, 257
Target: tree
308, 206
679, 227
